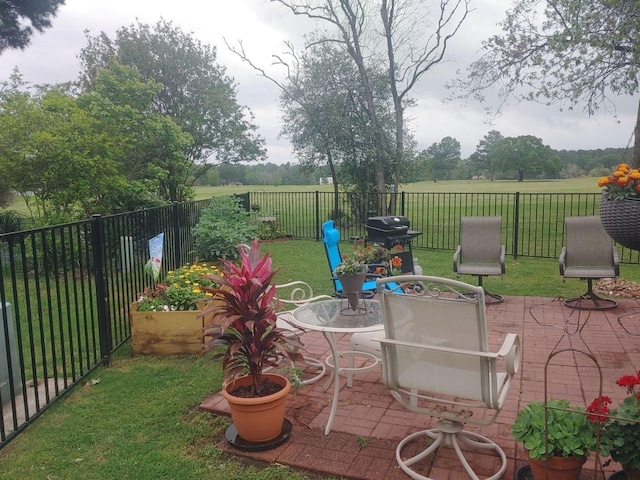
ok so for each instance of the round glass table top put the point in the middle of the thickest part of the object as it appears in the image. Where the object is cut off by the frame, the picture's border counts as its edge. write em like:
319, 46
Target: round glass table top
336, 316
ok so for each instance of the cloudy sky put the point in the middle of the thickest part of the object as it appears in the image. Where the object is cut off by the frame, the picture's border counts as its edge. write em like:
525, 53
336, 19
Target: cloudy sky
263, 26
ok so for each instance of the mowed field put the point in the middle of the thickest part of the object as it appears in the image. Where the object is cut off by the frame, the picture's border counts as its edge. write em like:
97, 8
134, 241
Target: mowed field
572, 185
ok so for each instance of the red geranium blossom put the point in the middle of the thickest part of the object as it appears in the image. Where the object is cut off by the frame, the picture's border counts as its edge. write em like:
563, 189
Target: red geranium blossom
597, 411
629, 381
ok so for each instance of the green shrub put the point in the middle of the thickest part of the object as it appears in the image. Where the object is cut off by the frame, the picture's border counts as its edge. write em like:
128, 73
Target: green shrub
222, 226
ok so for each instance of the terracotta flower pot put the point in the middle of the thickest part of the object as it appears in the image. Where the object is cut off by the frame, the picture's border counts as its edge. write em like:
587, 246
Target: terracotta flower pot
557, 468
258, 419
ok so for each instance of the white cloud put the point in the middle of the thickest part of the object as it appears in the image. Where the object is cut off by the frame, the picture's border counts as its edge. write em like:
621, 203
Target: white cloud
263, 27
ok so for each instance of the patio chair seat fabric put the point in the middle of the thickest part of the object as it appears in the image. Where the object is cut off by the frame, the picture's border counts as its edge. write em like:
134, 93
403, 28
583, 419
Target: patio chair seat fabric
588, 254
480, 252
436, 361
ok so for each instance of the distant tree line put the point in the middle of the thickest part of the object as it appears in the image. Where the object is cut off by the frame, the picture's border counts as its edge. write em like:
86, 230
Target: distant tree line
520, 158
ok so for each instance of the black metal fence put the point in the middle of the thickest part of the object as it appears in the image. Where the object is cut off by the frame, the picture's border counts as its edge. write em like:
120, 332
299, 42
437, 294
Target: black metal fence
65, 290
65, 293
532, 223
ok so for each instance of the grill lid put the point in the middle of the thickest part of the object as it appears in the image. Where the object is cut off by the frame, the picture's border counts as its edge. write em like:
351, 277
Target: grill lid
392, 225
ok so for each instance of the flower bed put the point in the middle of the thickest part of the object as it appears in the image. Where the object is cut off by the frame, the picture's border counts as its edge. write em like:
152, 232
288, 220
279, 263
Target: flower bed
164, 320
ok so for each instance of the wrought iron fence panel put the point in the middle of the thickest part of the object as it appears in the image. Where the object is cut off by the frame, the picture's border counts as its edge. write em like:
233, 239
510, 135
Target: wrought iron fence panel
65, 294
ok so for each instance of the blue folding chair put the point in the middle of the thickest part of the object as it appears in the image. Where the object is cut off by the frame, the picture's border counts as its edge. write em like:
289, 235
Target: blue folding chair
330, 238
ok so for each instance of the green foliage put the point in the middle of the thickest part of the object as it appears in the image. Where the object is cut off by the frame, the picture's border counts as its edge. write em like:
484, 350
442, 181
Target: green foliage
568, 432
568, 52
526, 156
621, 436
620, 428
223, 225
195, 91
11, 221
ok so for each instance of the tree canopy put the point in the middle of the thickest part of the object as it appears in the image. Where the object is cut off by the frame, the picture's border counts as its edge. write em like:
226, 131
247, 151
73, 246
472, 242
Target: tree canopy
18, 20
570, 52
525, 156
195, 90
405, 39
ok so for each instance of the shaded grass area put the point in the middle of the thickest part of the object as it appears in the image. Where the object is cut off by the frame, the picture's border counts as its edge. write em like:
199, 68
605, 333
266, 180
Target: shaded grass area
137, 419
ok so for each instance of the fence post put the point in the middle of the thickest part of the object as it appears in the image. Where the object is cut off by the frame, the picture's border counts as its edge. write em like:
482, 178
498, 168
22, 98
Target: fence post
516, 220
177, 258
317, 213
402, 200
104, 324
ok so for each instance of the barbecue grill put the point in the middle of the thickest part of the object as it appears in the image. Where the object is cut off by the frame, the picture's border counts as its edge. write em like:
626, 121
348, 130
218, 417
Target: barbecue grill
393, 231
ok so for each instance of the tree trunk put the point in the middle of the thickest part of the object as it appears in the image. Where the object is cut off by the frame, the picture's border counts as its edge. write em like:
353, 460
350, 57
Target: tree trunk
635, 160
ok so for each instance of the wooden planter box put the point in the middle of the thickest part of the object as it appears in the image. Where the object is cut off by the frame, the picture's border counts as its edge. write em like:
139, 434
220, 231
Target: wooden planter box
166, 333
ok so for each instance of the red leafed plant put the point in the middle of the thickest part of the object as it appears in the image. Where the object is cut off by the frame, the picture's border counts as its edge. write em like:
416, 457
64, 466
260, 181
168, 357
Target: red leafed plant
620, 427
242, 318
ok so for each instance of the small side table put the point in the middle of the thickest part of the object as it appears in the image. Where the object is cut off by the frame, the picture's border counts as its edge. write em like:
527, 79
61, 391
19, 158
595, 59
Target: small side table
330, 317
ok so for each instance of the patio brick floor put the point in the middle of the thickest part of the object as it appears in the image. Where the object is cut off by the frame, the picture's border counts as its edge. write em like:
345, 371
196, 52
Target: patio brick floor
369, 423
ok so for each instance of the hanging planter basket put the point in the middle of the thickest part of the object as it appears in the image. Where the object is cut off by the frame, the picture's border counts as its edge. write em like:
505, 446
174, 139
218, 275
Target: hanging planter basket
621, 220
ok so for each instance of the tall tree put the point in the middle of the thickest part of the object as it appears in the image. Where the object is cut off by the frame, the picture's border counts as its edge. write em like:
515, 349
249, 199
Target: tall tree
196, 91
525, 156
412, 44
325, 116
481, 158
563, 51
151, 148
443, 158
18, 20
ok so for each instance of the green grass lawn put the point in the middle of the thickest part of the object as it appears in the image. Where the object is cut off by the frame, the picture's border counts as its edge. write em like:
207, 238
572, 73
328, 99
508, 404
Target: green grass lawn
137, 419
571, 185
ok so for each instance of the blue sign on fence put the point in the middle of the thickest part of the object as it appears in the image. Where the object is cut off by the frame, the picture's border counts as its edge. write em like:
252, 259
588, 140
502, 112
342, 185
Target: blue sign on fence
155, 256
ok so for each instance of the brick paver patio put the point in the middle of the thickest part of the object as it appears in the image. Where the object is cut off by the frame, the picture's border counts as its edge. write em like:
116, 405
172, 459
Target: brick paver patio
369, 423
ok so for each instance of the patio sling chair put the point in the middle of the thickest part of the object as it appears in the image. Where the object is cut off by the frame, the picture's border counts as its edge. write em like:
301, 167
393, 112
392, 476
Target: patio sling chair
589, 254
296, 294
480, 251
436, 361
330, 239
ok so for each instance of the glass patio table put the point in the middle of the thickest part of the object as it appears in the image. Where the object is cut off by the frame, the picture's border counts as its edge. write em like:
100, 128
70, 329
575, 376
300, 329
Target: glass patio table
335, 316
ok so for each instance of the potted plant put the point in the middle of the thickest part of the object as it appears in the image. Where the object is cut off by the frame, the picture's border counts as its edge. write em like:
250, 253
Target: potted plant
241, 329
164, 319
620, 427
620, 205
352, 273
557, 436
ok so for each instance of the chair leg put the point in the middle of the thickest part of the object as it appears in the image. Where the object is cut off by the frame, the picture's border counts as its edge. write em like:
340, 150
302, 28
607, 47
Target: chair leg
590, 301
490, 298
449, 432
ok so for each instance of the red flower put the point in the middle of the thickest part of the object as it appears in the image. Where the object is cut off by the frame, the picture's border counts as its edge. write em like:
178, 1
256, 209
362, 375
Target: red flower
629, 381
597, 411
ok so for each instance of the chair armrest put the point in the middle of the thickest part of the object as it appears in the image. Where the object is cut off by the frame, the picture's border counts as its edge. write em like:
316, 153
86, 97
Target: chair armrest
562, 260
502, 255
456, 257
460, 351
510, 350
616, 261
